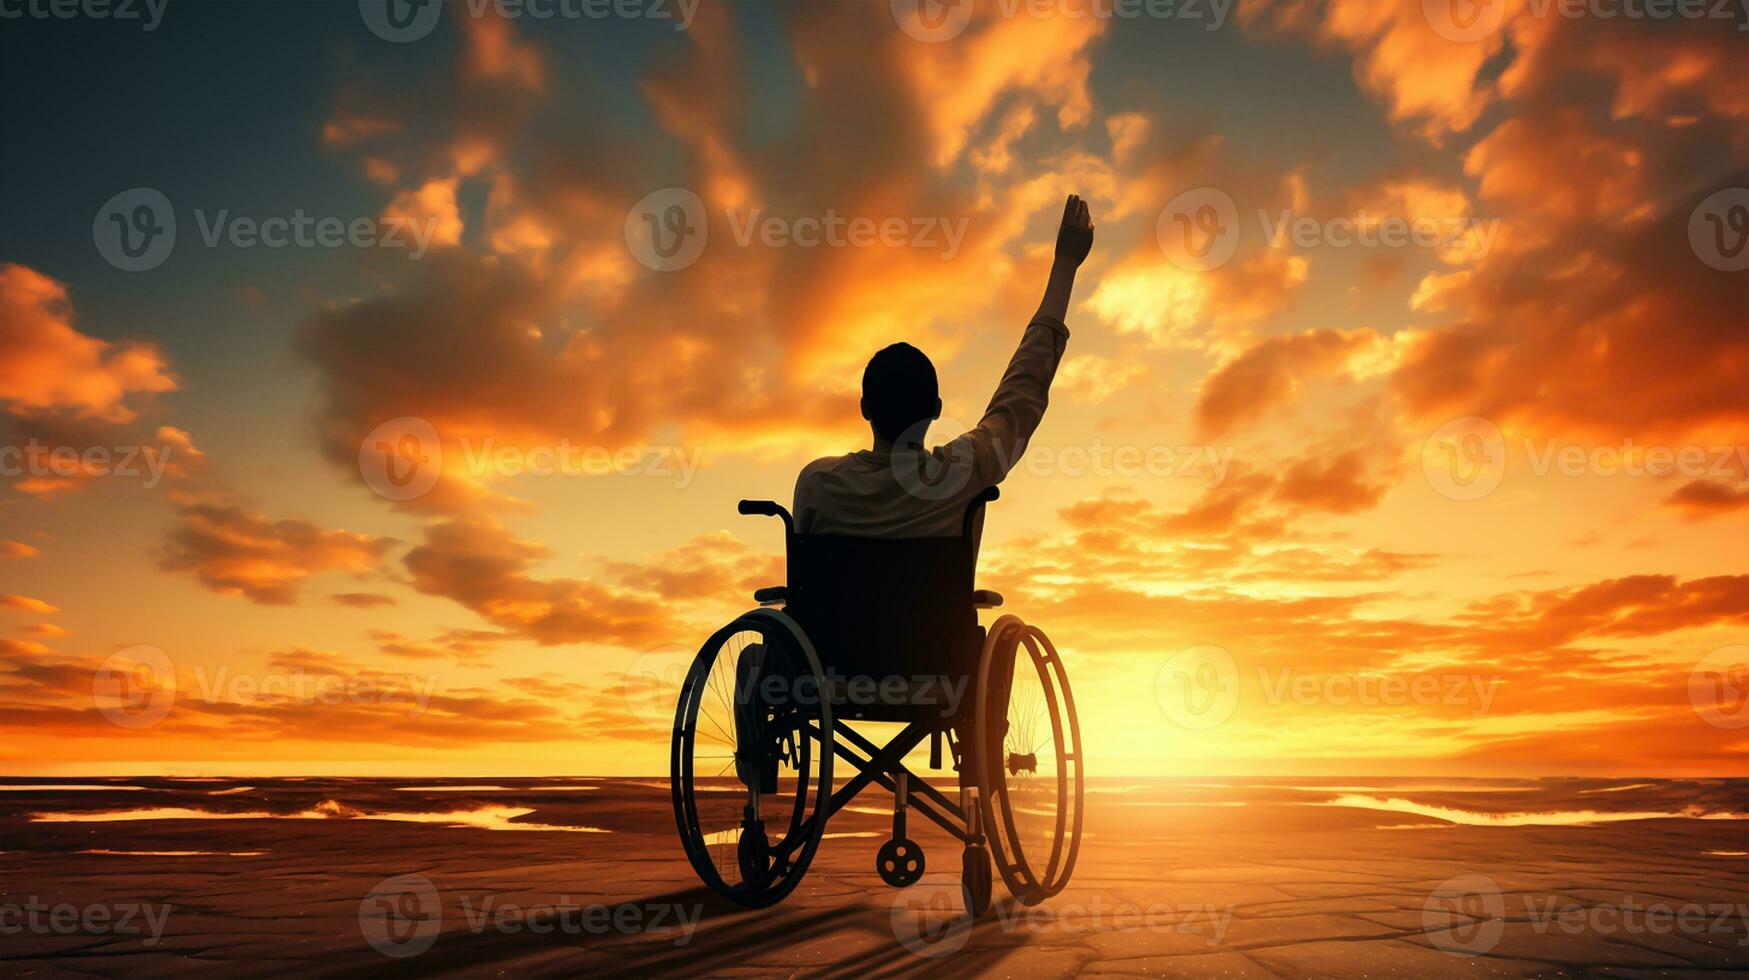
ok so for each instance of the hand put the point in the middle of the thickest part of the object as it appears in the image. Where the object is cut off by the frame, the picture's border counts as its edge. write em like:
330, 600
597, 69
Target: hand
1075, 236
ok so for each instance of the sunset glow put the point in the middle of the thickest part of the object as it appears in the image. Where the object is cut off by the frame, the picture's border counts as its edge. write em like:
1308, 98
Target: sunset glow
1471, 504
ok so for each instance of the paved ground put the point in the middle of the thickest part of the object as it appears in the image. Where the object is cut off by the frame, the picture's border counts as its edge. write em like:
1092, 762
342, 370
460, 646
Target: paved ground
1270, 887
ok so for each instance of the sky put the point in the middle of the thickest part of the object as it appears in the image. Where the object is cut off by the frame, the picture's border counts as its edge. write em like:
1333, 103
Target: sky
1403, 426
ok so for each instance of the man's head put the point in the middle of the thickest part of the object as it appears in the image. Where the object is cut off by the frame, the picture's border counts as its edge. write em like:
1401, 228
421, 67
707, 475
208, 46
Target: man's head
899, 390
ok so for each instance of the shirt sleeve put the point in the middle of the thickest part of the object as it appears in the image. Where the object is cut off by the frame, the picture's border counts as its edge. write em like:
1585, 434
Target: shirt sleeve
996, 444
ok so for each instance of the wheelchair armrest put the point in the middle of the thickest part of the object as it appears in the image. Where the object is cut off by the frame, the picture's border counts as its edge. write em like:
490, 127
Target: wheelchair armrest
985, 599
771, 593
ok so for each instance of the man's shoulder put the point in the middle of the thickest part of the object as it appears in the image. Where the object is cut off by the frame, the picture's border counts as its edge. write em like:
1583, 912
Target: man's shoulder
832, 464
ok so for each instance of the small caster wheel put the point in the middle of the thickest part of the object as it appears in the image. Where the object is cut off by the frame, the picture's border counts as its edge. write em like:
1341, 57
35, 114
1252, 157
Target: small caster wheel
753, 854
900, 862
975, 879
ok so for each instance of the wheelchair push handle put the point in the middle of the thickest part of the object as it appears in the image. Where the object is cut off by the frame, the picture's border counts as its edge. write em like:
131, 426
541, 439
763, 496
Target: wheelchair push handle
767, 508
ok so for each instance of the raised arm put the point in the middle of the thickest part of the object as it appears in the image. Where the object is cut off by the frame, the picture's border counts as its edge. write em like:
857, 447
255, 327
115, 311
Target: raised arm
1074, 241
994, 447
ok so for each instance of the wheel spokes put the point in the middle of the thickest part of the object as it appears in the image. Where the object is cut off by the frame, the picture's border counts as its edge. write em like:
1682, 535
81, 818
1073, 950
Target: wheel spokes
731, 750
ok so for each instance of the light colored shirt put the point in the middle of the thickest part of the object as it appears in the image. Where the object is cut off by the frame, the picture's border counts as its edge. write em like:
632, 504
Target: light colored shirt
917, 493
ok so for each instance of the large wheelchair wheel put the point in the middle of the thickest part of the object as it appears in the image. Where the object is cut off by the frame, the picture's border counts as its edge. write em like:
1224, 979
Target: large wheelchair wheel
1029, 760
751, 760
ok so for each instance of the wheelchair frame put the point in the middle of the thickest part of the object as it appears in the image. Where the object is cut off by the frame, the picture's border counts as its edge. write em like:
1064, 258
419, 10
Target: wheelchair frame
983, 819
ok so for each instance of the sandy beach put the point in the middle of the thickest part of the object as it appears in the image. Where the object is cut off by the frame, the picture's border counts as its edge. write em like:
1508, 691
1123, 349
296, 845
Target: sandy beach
1373, 878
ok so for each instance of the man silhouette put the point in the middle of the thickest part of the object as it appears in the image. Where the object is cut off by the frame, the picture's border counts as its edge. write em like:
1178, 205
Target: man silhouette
899, 489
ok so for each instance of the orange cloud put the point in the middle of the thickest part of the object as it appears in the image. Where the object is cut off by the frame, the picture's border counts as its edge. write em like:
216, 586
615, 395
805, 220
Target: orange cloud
1338, 485
480, 564
46, 365
1272, 373
51, 698
362, 600
232, 551
345, 128
1708, 498
1044, 58
1424, 78
428, 213
46, 630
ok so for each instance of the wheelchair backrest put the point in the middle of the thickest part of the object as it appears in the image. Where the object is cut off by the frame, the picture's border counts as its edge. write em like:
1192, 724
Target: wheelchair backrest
876, 607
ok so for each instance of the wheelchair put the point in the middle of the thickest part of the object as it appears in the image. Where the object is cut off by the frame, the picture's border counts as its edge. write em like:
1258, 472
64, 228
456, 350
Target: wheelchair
885, 631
